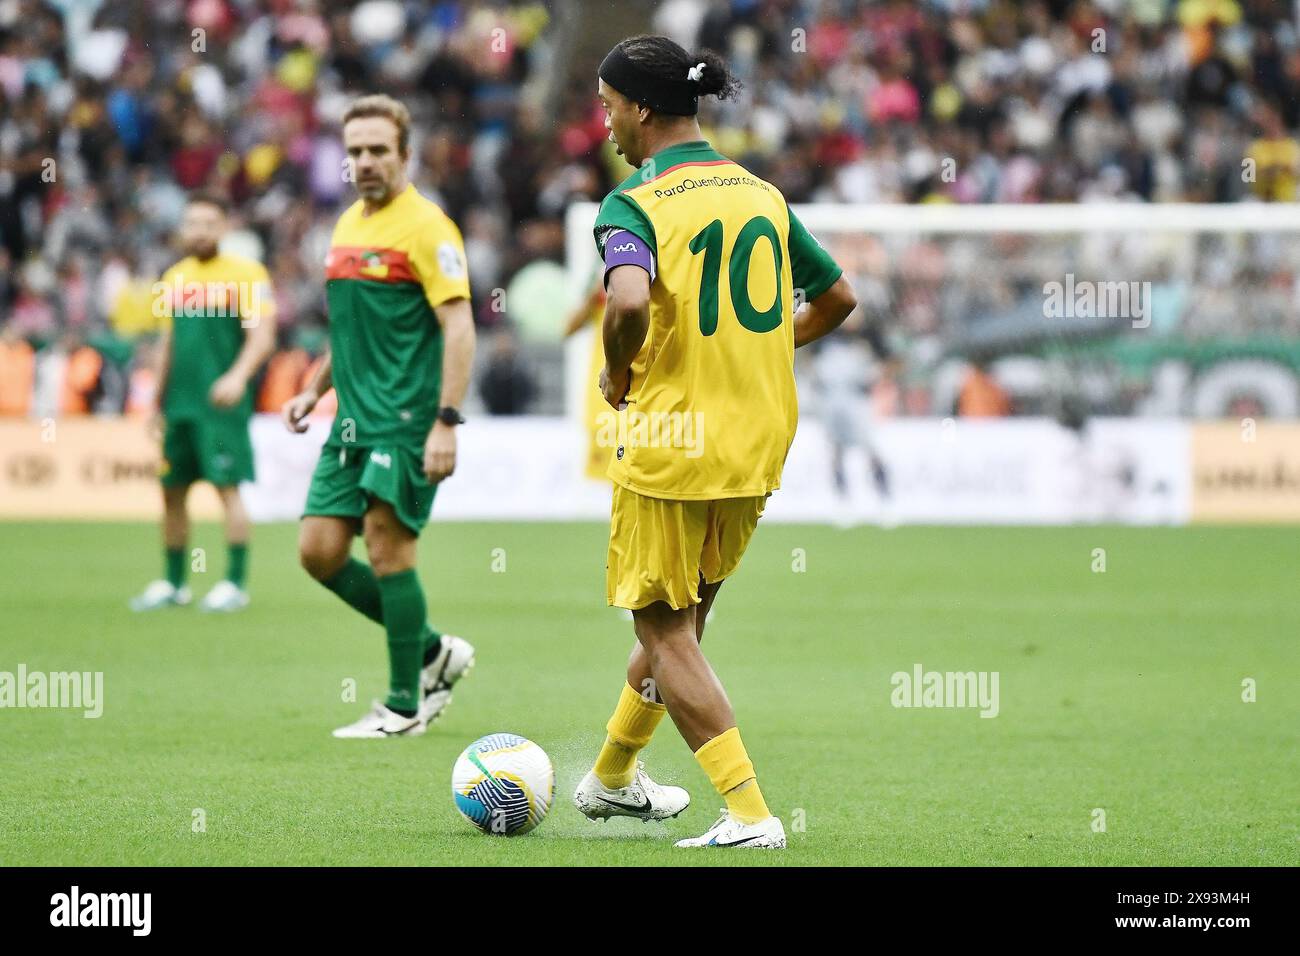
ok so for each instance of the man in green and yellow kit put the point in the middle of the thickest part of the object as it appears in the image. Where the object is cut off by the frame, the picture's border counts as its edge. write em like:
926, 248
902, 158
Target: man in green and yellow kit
401, 350
218, 321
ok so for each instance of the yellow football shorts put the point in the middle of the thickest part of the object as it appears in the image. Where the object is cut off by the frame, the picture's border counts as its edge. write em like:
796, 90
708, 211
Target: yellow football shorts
659, 549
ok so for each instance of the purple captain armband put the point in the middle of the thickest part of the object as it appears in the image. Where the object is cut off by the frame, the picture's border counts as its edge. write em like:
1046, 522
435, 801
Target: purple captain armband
624, 248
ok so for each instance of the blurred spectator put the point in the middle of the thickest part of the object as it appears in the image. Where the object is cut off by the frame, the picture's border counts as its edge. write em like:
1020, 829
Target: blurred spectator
32, 315
130, 299
142, 386
981, 395
17, 373
505, 385
283, 378
1276, 155
109, 112
68, 377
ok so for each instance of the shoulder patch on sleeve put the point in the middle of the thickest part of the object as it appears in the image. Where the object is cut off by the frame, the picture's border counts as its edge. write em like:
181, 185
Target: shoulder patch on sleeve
450, 261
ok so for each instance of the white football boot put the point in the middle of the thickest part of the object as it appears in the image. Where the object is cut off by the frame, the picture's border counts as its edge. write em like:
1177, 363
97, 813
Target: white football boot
225, 596
438, 677
382, 722
766, 834
161, 594
642, 799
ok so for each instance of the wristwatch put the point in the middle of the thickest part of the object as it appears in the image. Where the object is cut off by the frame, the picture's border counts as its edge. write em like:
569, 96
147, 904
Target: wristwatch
450, 416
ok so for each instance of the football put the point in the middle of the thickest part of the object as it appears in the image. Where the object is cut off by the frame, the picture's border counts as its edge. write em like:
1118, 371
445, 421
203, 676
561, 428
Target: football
503, 784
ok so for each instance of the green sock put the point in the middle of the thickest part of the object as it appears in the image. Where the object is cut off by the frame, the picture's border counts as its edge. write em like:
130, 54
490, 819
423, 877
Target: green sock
404, 619
237, 565
175, 566
356, 584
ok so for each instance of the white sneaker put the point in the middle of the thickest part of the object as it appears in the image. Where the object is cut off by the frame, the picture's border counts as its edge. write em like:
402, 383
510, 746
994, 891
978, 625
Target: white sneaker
766, 834
844, 520
642, 798
382, 722
161, 594
438, 677
224, 596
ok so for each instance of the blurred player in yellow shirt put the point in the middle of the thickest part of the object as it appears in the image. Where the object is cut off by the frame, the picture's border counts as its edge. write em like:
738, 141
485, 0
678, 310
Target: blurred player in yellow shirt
591, 312
218, 319
1276, 156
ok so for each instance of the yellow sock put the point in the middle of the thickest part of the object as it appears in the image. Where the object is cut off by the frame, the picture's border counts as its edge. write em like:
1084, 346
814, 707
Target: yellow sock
630, 729
728, 765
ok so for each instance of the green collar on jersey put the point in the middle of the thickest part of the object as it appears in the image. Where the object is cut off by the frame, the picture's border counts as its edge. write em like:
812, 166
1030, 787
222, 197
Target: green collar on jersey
696, 151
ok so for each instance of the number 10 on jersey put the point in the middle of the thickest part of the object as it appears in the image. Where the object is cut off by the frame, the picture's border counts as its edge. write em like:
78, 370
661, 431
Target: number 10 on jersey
709, 241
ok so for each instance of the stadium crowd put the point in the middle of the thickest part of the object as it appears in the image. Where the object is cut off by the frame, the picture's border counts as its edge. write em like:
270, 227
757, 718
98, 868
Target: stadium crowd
111, 112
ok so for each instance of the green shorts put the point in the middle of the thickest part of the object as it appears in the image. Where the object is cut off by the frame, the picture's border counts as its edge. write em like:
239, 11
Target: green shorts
348, 476
213, 449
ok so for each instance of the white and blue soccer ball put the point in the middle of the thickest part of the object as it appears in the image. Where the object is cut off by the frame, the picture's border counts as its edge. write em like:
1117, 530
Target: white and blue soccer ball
504, 784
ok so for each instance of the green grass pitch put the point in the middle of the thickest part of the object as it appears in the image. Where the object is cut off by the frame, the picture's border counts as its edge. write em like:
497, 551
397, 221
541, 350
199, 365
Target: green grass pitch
1119, 691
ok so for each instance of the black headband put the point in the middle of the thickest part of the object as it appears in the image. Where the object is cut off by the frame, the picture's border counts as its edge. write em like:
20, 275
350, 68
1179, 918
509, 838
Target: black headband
676, 97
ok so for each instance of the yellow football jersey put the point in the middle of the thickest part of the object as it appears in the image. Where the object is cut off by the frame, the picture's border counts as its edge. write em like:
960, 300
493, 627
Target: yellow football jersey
207, 304
1277, 161
385, 274
712, 408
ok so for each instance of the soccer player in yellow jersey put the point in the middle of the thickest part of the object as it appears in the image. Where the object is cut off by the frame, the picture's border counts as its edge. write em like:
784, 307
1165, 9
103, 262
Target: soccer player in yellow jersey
703, 260
591, 312
401, 350
218, 328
